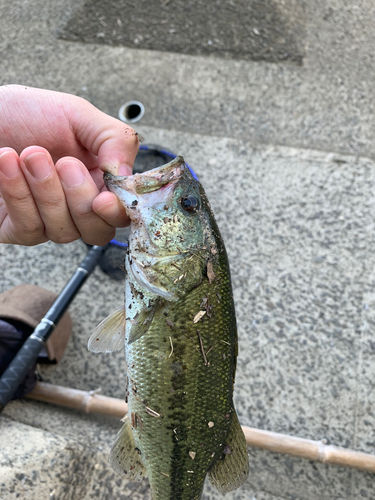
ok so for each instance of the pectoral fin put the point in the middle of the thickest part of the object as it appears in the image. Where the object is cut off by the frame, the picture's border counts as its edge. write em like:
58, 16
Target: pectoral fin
140, 276
109, 335
142, 322
232, 470
125, 457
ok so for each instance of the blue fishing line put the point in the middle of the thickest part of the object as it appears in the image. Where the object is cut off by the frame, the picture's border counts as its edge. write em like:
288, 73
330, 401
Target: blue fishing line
118, 243
166, 153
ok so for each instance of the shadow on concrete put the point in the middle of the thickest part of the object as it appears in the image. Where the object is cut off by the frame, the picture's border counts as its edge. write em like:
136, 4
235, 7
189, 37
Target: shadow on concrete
259, 30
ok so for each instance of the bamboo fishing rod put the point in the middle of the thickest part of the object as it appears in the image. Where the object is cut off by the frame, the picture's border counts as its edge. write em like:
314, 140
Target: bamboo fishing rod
317, 451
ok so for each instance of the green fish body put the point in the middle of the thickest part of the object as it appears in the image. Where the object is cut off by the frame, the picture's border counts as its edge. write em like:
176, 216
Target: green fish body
180, 340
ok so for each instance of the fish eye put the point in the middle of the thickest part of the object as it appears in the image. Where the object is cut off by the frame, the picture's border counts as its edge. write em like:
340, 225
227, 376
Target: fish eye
189, 203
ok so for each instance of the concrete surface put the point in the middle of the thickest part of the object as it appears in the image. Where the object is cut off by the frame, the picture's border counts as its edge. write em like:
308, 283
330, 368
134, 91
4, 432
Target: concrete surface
298, 225
258, 30
46, 465
298, 228
325, 104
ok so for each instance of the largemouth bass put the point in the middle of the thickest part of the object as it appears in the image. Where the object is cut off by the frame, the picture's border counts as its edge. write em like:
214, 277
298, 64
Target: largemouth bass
178, 328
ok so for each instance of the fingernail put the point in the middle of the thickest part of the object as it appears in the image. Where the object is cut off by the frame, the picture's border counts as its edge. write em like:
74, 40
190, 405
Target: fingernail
70, 174
9, 165
38, 165
124, 170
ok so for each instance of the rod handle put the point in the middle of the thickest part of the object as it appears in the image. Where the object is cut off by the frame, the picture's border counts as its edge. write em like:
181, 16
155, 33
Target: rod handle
18, 368
92, 257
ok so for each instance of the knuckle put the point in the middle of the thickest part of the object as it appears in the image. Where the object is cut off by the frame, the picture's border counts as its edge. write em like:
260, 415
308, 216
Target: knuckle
49, 203
64, 235
63, 238
34, 240
31, 238
33, 229
81, 210
21, 196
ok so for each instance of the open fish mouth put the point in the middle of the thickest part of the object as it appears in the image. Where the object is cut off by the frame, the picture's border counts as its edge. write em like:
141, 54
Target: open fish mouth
130, 188
143, 195
139, 191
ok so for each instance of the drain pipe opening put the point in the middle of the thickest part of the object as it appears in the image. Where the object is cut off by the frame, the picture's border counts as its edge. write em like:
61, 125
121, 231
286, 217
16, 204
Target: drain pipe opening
131, 112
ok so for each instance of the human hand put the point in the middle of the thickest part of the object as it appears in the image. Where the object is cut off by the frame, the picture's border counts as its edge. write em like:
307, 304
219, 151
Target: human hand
53, 149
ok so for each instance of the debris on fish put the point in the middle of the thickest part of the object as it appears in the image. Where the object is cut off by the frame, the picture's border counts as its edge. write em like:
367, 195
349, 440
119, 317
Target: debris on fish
183, 424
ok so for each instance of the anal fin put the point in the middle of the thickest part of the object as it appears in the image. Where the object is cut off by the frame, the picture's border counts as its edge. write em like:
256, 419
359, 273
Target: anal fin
125, 457
109, 335
232, 470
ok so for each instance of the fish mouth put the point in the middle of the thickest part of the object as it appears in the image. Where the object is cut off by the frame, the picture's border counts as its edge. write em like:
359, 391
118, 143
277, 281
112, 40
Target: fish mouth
138, 191
144, 190
147, 182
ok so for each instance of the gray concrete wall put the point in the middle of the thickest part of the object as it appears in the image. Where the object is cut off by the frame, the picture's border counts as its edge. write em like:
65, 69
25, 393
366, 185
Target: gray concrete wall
298, 224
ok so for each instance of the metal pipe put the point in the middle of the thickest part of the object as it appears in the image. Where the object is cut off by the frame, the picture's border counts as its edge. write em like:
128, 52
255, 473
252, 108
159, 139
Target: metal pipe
131, 112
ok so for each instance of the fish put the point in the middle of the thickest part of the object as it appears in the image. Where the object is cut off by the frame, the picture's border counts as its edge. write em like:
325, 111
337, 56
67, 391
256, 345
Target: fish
178, 329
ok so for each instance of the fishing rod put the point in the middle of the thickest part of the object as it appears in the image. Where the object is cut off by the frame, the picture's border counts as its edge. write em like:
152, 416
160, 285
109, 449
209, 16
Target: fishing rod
18, 368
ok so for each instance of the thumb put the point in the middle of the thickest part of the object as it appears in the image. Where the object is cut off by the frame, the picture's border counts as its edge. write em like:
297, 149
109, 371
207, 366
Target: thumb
112, 141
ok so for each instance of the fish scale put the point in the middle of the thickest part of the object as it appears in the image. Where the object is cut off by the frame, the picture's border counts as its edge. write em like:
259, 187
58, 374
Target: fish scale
180, 339
185, 414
